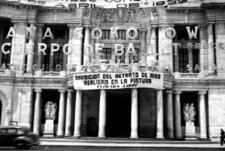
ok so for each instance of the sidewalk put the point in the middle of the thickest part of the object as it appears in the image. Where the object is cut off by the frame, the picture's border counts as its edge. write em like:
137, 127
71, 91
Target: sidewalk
109, 142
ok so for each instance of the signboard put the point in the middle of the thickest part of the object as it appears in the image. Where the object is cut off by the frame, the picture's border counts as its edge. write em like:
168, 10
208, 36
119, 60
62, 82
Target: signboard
91, 81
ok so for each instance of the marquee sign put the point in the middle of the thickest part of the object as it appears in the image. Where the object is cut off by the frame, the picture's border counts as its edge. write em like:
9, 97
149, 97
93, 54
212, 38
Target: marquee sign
91, 81
103, 3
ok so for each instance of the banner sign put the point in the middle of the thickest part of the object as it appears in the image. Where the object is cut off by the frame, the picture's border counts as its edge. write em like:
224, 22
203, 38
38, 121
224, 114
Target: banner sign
91, 81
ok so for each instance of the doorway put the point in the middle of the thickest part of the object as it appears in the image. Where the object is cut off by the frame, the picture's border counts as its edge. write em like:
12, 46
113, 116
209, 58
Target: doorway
118, 113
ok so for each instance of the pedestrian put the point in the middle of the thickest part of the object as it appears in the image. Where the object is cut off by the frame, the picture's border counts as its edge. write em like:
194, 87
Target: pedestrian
222, 135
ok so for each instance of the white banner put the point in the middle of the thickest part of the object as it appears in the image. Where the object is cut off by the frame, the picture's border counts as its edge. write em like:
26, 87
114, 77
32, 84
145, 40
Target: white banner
91, 81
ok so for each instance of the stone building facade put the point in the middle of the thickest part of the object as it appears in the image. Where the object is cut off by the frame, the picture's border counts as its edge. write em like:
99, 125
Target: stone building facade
44, 48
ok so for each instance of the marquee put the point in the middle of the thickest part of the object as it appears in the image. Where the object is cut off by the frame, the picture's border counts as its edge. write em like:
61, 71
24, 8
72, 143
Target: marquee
91, 81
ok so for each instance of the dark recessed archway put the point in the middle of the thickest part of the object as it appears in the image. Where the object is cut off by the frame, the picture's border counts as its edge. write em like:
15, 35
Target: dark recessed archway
118, 113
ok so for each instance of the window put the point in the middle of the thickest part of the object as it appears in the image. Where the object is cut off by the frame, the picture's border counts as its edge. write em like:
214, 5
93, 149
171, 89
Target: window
121, 34
182, 38
196, 60
5, 59
183, 60
106, 54
105, 34
58, 60
46, 60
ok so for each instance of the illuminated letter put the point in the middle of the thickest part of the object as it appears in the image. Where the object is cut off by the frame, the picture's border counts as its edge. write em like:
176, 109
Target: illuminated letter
192, 34
132, 36
3, 48
48, 33
98, 48
170, 32
11, 33
119, 49
54, 47
130, 49
67, 50
114, 32
41, 48
94, 35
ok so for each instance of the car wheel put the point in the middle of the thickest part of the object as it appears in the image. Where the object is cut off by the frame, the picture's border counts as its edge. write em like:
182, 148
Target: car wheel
22, 145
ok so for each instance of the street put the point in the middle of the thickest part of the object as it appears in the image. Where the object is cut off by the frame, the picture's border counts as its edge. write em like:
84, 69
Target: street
73, 148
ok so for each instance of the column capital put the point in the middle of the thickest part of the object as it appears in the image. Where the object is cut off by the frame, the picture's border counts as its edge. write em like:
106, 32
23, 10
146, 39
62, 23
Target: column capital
153, 26
40, 25
160, 89
202, 25
38, 90
19, 20
178, 92
62, 90
169, 91
74, 25
166, 25
69, 90
202, 92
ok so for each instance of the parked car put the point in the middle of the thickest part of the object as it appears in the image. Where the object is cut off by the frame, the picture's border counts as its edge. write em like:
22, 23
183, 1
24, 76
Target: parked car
20, 137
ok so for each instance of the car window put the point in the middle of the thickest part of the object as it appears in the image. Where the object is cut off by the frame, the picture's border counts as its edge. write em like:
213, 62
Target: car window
20, 131
12, 131
3, 131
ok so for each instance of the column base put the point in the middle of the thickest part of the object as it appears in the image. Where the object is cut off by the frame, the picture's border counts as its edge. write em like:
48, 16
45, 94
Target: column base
68, 134
159, 136
60, 135
76, 136
203, 137
48, 135
101, 137
133, 136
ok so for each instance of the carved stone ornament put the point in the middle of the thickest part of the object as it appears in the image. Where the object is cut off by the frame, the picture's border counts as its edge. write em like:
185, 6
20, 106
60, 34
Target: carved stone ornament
108, 16
130, 15
50, 110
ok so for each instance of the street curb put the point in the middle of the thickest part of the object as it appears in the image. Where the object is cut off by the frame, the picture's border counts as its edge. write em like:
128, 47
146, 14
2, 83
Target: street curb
129, 144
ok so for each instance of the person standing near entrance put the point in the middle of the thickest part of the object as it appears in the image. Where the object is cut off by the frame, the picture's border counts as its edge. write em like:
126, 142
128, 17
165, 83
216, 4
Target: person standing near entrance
222, 135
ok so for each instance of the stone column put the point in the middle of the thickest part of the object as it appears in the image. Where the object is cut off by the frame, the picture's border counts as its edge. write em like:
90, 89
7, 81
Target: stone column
151, 49
190, 59
169, 114
203, 59
37, 112
102, 114
165, 47
75, 45
78, 111
87, 55
61, 118
30, 48
143, 46
202, 115
68, 113
176, 60
134, 114
39, 40
18, 44
210, 49
159, 133
178, 132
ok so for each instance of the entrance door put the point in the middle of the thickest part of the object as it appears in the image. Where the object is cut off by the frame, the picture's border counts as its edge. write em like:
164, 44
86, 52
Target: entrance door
118, 113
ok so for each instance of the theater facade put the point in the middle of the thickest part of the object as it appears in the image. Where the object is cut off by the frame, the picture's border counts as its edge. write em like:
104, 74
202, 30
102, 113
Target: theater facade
125, 72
